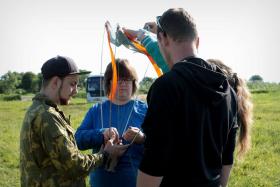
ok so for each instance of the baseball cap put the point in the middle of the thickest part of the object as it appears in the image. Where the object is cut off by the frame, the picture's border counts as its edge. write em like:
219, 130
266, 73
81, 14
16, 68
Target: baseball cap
60, 66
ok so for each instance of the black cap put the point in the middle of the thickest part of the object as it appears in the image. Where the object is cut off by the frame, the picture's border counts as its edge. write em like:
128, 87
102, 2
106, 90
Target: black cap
60, 66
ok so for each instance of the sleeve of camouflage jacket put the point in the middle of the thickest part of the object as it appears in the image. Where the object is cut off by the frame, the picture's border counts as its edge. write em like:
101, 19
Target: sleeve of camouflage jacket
58, 141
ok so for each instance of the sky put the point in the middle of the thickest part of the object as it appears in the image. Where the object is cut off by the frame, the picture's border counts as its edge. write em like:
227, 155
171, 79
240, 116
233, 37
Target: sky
244, 34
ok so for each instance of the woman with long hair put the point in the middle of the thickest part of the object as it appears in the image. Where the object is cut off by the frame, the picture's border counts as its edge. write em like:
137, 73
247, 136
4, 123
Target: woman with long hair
244, 115
245, 106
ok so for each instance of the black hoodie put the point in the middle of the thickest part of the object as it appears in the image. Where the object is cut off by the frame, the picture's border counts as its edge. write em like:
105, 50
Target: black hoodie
189, 125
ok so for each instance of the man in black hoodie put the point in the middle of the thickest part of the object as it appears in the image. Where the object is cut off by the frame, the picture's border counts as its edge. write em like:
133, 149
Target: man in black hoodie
191, 118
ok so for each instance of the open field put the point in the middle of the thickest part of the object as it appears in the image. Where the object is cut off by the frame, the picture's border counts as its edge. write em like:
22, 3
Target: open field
261, 167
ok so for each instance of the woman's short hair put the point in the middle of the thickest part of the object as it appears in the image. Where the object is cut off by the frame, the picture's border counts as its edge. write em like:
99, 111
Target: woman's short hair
124, 71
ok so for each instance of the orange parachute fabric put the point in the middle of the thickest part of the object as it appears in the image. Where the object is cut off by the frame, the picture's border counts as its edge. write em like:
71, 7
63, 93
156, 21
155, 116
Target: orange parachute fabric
119, 38
114, 67
143, 50
135, 46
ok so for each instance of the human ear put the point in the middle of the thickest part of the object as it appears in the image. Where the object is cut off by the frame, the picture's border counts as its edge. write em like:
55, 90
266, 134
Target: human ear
165, 39
56, 82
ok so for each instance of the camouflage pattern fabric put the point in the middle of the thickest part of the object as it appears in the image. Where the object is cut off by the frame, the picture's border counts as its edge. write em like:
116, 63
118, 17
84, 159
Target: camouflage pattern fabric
49, 156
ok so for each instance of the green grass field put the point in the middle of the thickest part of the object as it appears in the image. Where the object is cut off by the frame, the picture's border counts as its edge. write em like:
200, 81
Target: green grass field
261, 167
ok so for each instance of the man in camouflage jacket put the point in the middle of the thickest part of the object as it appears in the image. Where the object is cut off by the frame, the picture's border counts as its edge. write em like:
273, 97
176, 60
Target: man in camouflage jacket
48, 152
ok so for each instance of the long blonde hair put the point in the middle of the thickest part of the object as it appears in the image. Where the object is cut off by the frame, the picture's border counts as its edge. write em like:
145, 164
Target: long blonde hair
245, 106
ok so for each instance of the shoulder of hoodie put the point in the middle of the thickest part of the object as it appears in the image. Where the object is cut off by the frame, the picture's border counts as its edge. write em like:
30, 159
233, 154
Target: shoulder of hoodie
171, 77
166, 81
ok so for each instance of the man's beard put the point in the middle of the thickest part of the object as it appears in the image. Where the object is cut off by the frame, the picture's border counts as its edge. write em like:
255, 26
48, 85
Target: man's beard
63, 101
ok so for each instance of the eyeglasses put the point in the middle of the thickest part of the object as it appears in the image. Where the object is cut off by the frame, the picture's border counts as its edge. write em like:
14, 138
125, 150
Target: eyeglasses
125, 81
159, 27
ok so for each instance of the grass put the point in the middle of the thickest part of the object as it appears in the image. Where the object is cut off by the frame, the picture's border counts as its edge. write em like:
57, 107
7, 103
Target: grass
10, 121
261, 167
11, 117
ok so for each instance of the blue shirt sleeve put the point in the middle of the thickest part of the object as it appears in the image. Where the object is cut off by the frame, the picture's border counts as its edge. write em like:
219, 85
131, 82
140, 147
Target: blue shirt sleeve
87, 135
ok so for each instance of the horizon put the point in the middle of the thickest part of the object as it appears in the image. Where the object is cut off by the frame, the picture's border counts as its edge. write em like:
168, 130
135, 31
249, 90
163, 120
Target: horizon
243, 34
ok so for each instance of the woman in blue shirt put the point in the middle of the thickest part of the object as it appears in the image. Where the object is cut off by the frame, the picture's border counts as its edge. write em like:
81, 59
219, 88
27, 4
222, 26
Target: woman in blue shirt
122, 117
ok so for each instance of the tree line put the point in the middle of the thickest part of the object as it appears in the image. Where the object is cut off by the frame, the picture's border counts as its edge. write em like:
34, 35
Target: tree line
28, 82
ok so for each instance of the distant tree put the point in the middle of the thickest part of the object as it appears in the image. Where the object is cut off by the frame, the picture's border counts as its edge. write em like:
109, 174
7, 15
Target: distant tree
256, 78
13, 82
9, 82
145, 84
39, 80
29, 82
82, 78
2, 87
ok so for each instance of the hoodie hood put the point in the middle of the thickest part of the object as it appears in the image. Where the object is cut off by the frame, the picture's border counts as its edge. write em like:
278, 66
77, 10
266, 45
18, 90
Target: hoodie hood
208, 81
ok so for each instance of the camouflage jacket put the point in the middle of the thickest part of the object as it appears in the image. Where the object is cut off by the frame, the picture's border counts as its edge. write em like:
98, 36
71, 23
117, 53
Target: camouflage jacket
49, 156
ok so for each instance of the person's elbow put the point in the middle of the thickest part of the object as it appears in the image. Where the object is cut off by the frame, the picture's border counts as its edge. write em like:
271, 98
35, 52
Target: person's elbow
225, 173
78, 138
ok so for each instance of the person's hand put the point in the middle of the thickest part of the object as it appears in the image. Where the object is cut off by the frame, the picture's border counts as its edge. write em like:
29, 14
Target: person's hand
107, 25
112, 148
130, 33
151, 26
111, 133
134, 134
139, 34
114, 151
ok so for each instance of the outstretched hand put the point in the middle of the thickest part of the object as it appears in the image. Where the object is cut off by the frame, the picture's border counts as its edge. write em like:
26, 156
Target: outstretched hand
107, 25
134, 134
130, 33
151, 26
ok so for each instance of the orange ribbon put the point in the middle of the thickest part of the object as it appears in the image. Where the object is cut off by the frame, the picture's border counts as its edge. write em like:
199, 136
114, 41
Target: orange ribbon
114, 67
139, 47
142, 49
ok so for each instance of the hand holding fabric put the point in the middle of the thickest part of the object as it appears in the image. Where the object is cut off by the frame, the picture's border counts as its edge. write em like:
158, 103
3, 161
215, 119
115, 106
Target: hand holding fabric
151, 26
129, 32
134, 134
